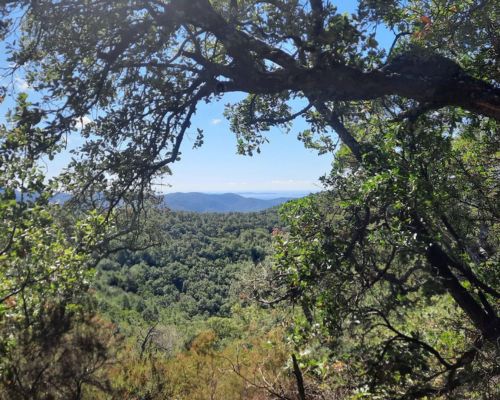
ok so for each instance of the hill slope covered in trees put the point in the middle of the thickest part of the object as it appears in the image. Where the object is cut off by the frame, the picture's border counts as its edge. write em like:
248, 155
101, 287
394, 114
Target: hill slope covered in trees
191, 271
227, 202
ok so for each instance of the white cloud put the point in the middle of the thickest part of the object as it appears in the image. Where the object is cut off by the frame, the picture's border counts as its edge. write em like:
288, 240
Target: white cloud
82, 122
21, 84
216, 121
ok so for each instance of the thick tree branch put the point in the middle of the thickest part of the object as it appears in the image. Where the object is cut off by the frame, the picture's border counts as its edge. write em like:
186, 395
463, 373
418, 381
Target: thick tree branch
317, 14
336, 81
298, 378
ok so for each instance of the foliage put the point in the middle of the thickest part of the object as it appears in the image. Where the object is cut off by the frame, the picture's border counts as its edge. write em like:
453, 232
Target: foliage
191, 272
409, 227
359, 258
245, 369
141, 69
44, 273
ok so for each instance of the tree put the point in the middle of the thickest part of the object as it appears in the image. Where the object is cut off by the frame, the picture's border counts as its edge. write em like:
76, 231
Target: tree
417, 172
46, 319
147, 65
396, 267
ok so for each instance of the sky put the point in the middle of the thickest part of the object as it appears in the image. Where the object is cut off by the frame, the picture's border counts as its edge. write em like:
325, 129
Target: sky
283, 166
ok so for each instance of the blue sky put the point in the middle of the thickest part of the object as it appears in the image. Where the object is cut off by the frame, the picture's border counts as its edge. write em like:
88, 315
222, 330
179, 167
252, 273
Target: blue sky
284, 165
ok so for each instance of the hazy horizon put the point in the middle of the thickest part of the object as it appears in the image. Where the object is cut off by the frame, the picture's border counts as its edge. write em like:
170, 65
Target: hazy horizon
255, 194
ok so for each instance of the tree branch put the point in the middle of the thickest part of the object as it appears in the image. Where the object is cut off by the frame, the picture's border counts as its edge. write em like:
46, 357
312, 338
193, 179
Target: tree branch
334, 121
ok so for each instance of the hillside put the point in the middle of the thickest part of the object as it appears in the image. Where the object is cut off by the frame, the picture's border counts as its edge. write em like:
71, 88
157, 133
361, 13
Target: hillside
191, 273
227, 202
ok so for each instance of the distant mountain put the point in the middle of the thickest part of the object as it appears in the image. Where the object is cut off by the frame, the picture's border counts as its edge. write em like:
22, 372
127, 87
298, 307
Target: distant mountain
194, 201
274, 195
227, 202
60, 198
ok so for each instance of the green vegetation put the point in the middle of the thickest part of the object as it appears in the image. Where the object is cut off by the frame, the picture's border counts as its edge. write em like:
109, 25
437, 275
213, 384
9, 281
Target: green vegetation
384, 286
47, 340
191, 272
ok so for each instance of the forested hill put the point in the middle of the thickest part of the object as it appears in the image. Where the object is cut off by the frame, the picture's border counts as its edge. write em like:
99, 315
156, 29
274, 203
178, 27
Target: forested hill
192, 271
192, 201
227, 202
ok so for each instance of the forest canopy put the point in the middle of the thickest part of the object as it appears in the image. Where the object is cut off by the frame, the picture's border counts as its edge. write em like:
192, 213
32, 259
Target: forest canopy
394, 266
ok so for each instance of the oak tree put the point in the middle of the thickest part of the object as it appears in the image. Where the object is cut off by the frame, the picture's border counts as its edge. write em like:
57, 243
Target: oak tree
415, 184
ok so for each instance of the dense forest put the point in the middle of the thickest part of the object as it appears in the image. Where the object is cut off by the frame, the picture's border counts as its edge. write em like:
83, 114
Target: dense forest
386, 285
195, 269
187, 306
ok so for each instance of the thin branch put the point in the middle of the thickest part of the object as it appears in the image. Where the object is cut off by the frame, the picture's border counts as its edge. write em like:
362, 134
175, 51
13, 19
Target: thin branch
411, 339
334, 121
298, 378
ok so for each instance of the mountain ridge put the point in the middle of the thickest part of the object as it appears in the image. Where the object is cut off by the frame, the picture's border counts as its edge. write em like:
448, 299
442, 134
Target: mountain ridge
224, 202
196, 201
